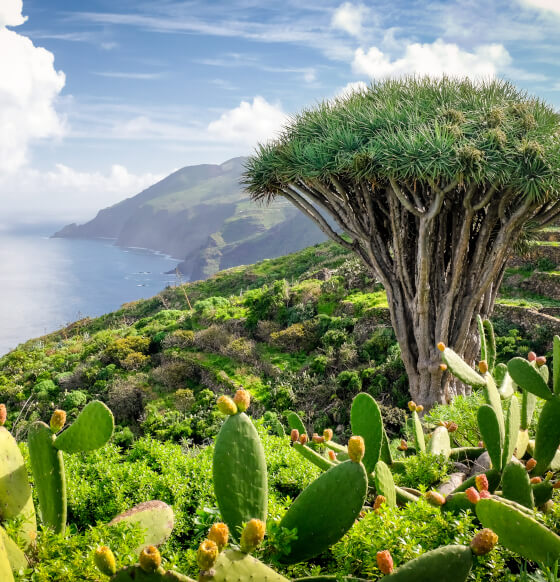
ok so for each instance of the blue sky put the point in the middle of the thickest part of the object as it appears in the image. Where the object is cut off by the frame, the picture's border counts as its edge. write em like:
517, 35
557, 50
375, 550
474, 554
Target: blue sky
110, 96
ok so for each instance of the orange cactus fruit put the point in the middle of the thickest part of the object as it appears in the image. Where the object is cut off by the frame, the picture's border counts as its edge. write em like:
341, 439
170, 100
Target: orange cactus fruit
472, 495
412, 406
150, 559
294, 435
303, 438
385, 562
540, 361
227, 406
556, 485
531, 356
483, 542
443, 367
435, 498
58, 420
485, 494
481, 482
105, 560
480, 444
536, 480
356, 448
206, 555
252, 535
441, 346
332, 456
530, 464
379, 501
452, 426
242, 399
219, 534
483, 366
328, 434
419, 408
317, 439
3, 414
403, 446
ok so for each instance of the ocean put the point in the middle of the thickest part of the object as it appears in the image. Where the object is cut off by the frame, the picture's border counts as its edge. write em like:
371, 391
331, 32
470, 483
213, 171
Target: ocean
46, 283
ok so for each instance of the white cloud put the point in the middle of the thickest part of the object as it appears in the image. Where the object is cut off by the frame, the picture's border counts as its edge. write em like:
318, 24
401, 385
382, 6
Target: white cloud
249, 123
436, 59
29, 86
544, 5
349, 17
67, 194
353, 87
10, 13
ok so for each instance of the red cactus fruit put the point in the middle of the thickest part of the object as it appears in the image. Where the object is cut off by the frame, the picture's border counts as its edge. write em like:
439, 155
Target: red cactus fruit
303, 439
485, 494
483, 542
150, 559
472, 495
536, 480
294, 435
481, 482
530, 464
531, 356
540, 361
385, 562
332, 456
3, 414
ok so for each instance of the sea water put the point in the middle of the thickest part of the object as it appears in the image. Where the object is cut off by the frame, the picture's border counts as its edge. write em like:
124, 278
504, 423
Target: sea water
46, 283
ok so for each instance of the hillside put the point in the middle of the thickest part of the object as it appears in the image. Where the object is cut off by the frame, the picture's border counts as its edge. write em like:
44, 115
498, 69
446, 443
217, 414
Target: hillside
201, 215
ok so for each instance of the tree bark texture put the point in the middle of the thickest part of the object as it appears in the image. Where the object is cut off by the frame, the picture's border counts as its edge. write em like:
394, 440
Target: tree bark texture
440, 251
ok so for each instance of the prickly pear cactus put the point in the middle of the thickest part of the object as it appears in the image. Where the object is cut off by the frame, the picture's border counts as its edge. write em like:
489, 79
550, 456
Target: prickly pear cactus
5, 567
516, 485
385, 484
91, 430
491, 434
450, 563
440, 443
318, 460
366, 421
325, 510
234, 565
154, 517
15, 492
518, 531
295, 422
239, 473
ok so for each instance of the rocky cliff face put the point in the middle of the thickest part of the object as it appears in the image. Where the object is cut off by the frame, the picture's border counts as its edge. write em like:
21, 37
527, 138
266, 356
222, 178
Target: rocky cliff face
201, 214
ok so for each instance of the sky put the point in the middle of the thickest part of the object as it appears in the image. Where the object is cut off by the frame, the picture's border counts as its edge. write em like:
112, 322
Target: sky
100, 99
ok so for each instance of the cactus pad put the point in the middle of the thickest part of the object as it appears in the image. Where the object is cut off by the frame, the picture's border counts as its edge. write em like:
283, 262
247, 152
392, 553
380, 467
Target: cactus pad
325, 510
518, 531
294, 421
155, 518
366, 421
490, 430
15, 491
47, 465
458, 367
511, 431
234, 565
450, 563
516, 485
548, 435
440, 443
556, 364
16, 557
527, 377
5, 567
239, 473
385, 484
418, 433
91, 430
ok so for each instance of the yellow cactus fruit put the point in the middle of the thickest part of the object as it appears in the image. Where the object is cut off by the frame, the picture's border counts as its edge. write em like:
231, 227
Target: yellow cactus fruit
294, 435
379, 501
58, 420
530, 464
243, 399
252, 535
226, 405
328, 434
434, 498
548, 476
443, 367
411, 406
219, 534
303, 438
419, 408
356, 448
3, 414
206, 555
483, 366
385, 562
483, 542
441, 346
105, 560
150, 559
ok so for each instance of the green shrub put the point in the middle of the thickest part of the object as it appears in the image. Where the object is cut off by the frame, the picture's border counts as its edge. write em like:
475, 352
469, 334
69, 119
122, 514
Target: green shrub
180, 338
319, 364
266, 302
75, 399
423, 470
297, 337
349, 381
334, 338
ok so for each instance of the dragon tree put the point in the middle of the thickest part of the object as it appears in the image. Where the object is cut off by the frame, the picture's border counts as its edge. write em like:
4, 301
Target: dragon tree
431, 183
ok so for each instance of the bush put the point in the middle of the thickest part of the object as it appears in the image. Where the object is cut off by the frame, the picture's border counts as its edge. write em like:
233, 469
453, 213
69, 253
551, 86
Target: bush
297, 337
319, 365
334, 338
241, 349
126, 398
265, 303
75, 399
349, 381
174, 373
183, 399
120, 348
180, 338
423, 470
212, 339
134, 361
